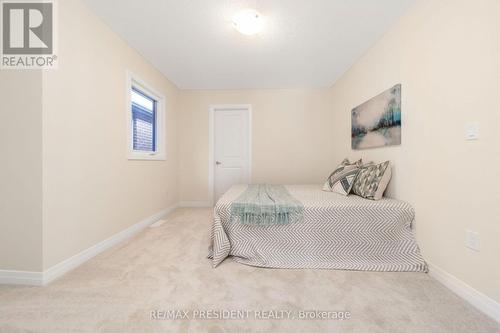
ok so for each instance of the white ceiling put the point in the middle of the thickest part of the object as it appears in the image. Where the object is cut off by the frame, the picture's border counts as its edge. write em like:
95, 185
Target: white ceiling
305, 44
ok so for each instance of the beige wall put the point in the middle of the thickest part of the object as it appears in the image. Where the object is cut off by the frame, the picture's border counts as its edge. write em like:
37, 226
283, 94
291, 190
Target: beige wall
21, 170
291, 136
446, 55
90, 190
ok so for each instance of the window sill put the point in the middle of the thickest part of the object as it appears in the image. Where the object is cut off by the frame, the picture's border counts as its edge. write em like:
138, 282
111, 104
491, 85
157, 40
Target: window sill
146, 156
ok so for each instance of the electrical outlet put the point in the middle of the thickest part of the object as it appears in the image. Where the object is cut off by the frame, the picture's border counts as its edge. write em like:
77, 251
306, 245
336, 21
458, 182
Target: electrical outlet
472, 240
472, 131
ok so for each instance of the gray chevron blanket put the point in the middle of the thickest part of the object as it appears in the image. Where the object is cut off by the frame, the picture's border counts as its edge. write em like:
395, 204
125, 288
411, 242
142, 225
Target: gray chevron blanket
264, 204
337, 232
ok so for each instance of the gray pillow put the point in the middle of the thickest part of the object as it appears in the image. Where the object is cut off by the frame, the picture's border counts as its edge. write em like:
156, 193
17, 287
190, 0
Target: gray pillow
372, 180
342, 178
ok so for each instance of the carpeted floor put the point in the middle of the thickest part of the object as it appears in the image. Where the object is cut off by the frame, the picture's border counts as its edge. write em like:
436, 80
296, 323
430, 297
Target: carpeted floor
164, 268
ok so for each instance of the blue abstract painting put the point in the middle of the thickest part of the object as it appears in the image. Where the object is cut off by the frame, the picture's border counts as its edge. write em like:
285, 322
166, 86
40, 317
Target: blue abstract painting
377, 122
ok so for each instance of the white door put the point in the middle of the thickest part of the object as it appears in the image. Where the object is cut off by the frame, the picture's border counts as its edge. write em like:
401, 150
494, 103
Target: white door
231, 149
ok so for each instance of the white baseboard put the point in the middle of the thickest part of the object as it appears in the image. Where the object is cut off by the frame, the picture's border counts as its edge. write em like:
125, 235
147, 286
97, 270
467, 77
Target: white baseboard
195, 204
21, 278
477, 299
42, 278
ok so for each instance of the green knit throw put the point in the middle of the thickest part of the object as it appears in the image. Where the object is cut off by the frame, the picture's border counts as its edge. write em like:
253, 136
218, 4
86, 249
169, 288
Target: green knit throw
264, 204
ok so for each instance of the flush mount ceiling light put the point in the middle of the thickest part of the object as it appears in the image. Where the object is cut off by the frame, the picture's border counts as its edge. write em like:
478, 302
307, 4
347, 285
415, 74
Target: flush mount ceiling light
248, 22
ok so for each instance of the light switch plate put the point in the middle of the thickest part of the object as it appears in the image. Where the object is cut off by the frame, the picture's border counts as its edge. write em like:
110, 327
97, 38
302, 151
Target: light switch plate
472, 240
472, 131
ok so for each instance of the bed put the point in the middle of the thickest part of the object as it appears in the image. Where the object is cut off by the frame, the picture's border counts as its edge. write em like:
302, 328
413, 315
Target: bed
337, 232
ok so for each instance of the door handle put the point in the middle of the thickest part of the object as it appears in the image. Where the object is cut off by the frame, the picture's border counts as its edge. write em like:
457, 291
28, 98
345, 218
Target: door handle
218, 163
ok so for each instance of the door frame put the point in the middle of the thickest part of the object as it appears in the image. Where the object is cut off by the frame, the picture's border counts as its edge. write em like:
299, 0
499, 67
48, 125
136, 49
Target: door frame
211, 143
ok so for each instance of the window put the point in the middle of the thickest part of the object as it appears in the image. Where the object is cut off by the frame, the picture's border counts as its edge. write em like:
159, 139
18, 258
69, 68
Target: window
145, 117
143, 121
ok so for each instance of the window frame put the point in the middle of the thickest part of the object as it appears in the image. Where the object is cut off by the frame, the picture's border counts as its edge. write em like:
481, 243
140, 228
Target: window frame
134, 82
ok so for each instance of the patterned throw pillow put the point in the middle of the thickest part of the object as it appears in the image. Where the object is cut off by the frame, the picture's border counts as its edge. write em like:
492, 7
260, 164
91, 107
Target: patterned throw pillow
342, 179
372, 180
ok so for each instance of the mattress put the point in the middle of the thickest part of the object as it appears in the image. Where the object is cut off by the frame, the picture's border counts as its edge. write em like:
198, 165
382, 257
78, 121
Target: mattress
337, 232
